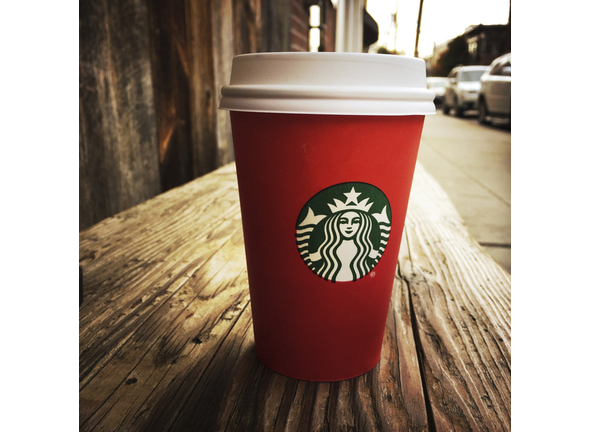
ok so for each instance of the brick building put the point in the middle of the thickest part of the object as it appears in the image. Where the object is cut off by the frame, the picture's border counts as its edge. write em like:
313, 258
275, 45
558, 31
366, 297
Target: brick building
487, 42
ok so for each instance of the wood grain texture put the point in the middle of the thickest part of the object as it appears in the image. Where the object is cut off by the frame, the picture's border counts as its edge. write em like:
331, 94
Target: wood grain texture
118, 140
170, 78
247, 26
461, 304
223, 50
210, 48
166, 338
150, 79
201, 85
275, 25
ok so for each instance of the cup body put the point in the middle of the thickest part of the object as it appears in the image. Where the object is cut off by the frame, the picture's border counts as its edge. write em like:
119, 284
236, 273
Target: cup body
306, 325
323, 195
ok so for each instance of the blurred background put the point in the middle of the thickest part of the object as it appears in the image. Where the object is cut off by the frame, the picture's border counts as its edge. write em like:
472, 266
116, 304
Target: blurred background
151, 71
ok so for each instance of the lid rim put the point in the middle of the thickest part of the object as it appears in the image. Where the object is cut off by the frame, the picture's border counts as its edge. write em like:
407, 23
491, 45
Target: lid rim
328, 92
331, 107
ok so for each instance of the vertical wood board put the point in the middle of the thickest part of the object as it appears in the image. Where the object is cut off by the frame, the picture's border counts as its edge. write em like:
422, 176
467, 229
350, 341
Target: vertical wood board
118, 145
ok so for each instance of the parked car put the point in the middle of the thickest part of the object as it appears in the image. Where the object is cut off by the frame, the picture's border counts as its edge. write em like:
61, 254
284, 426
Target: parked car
495, 90
437, 84
461, 91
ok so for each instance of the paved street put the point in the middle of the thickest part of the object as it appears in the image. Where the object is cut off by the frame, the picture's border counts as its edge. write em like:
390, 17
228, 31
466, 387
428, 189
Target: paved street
473, 165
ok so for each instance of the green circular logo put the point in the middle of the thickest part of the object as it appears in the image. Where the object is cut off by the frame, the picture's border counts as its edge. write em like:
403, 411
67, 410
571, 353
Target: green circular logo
342, 231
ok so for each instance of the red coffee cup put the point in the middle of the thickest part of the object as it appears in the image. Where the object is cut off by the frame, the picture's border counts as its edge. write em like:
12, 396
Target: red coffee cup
325, 147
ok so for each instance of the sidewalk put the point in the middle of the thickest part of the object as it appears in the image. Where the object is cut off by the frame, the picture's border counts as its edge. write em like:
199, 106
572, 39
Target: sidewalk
473, 165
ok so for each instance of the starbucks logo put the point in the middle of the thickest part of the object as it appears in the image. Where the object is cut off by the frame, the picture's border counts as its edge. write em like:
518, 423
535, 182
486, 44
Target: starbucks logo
342, 231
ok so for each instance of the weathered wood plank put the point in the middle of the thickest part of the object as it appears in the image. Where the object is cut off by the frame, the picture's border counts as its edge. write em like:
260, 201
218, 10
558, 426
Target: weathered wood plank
201, 85
223, 53
275, 25
125, 281
150, 80
170, 78
461, 304
118, 142
189, 306
247, 26
209, 69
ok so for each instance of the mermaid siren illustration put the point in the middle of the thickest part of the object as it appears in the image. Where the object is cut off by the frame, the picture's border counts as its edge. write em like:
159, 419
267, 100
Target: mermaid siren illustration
347, 242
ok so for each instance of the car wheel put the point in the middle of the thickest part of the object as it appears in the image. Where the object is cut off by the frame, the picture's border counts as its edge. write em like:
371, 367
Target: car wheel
482, 112
459, 111
445, 108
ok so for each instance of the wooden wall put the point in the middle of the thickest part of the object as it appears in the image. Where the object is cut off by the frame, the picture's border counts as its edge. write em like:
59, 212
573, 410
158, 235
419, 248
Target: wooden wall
151, 72
118, 135
150, 78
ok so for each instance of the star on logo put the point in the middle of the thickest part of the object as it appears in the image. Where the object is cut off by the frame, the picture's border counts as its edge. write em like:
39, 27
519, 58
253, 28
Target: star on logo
352, 196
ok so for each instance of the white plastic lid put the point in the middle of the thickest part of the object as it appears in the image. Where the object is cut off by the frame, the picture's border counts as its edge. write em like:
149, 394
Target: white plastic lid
328, 83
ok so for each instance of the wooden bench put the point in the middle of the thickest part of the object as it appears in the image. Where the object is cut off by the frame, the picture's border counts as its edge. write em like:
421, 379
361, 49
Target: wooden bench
166, 339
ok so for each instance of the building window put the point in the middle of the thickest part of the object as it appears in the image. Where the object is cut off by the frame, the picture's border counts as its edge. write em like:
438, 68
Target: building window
472, 46
315, 23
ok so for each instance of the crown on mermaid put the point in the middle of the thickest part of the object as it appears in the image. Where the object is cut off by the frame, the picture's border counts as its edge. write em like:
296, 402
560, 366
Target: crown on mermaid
351, 203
